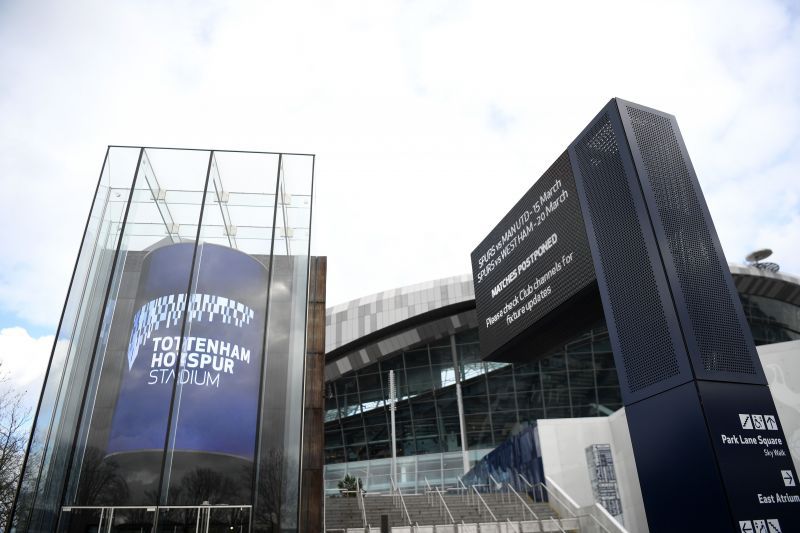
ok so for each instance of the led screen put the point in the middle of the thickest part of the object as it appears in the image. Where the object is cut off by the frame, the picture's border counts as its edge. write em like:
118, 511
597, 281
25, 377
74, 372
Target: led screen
217, 362
534, 260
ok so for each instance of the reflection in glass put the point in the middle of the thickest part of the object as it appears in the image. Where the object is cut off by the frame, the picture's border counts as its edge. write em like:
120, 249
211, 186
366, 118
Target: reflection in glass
176, 378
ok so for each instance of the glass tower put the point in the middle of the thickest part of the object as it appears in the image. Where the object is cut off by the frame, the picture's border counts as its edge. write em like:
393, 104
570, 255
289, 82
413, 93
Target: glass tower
174, 393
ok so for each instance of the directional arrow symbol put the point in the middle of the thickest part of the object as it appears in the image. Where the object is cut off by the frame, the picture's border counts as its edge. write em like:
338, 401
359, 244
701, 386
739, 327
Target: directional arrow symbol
774, 525
745, 526
788, 478
769, 420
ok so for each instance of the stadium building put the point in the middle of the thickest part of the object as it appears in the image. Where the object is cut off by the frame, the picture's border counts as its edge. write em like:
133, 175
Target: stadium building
197, 383
454, 408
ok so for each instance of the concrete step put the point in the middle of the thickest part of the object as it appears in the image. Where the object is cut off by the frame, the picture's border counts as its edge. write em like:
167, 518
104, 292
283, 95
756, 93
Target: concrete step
342, 513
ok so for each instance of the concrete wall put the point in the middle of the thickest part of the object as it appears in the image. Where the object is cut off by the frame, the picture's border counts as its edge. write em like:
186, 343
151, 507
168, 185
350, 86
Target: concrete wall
563, 441
781, 364
627, 476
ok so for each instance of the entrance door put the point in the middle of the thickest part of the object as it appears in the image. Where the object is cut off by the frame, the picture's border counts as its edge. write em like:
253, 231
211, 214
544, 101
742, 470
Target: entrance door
168, 519
204, 519
107, 519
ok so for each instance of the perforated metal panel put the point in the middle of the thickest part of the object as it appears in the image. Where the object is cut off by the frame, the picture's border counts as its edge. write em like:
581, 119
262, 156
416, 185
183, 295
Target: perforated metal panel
708, 298
647, 349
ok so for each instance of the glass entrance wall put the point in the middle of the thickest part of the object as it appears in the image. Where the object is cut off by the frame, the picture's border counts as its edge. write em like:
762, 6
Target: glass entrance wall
165, 519
176, 378
277, 488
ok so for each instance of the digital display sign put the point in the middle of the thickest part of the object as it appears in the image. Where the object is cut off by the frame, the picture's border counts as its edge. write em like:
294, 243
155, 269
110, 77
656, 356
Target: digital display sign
534, 260
217, 362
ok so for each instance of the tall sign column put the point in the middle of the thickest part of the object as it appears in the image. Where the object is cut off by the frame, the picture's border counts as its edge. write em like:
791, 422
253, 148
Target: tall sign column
709, 449
696, 397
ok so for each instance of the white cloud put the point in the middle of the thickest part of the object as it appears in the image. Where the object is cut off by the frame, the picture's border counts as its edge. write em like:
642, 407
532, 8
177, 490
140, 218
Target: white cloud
429, 121
24, 359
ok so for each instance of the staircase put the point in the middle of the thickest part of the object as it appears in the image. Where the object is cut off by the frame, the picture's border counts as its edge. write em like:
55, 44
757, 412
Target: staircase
343, 514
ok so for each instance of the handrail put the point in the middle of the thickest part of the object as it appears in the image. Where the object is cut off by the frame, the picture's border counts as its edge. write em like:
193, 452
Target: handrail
570, 504
605, 512
522, 500
360, 497
443, 504
511, 525
564, 504
467, 493
567, 505
494, 518
493, 485
532, 487
399, 492
555, 487
446, 508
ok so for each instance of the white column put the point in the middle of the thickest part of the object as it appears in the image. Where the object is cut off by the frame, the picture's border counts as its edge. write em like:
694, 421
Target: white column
460, 401
392, 398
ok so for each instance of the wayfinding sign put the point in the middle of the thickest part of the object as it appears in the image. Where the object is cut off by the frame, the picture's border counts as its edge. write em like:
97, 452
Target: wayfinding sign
534, 260
752, 451
623, 207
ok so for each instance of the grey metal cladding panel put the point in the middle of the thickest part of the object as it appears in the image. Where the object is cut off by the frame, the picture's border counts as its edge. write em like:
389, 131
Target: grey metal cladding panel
343, 365
373, 351
643, 329
470, 317
790, 294
388, 346
753, 281
717, 335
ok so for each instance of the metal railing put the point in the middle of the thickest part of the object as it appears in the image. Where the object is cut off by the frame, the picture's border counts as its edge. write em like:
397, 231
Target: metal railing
524, 505
551, 495
466, 494
569, 507
497, 488
541, 486
399, 502
442, 503
478, 494
360, 497
571, 517
565, 501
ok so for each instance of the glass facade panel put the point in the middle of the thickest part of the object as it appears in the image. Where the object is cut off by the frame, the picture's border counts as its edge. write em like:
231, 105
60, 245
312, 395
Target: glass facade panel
771, 320
186, 316
498, 399
577, 379
45, 470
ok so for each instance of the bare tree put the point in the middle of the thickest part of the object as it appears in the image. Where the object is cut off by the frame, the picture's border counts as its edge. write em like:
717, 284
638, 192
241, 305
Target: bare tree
101, 482
14, 418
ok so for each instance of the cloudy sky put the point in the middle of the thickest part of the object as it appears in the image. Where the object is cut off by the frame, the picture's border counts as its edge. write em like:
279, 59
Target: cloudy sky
429, 119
